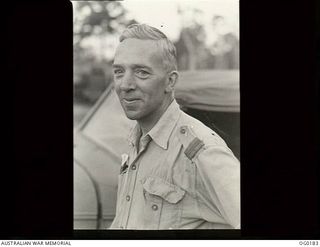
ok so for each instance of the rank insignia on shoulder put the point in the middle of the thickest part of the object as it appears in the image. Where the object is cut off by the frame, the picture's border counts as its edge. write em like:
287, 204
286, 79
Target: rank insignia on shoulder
193, 148
190, 141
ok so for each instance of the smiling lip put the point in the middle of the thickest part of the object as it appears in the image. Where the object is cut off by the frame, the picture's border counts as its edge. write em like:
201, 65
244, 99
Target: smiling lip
129, 101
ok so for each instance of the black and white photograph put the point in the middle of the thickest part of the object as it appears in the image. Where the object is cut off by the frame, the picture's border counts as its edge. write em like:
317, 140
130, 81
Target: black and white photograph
130, 120
156, 115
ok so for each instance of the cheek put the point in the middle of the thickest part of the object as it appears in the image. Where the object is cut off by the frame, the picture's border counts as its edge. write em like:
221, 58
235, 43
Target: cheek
159, 92
153, 96
155, 89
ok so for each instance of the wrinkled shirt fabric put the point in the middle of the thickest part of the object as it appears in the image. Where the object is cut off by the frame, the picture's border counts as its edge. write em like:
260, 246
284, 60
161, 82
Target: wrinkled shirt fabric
160, 187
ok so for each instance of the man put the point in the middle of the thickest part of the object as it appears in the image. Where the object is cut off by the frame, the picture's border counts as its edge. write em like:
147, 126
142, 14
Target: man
179, 174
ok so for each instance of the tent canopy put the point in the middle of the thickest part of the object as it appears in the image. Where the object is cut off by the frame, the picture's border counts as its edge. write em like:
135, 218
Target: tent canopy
210, 90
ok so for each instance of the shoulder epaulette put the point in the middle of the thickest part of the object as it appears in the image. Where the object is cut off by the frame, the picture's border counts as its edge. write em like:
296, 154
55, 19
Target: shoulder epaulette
190, 141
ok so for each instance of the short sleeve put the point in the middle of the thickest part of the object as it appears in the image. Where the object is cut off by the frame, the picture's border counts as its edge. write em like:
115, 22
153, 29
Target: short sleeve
218, 184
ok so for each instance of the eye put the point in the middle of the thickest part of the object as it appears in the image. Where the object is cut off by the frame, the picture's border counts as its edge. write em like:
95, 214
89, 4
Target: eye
117, 72
142, 73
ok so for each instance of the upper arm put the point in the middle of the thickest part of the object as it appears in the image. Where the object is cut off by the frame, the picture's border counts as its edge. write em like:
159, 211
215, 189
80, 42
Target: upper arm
218, 175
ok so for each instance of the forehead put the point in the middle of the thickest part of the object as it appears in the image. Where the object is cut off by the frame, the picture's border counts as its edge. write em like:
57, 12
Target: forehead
136, 51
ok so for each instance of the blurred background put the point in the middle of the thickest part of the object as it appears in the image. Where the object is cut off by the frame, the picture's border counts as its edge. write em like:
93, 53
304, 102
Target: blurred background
205, 33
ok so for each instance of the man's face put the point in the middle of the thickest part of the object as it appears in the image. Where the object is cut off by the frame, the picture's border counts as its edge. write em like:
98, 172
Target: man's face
140, 79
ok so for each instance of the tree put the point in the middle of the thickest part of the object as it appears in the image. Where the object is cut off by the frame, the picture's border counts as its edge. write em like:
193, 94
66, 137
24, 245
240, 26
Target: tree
95, 23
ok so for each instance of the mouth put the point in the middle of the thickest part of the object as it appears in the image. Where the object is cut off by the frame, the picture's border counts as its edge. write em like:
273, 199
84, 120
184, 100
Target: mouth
130, 101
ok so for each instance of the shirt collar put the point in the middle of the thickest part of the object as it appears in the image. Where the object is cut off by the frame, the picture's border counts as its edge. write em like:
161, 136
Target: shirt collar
162, 130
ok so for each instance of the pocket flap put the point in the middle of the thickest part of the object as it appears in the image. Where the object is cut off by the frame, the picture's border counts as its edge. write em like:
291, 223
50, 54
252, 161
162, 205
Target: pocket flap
157, 186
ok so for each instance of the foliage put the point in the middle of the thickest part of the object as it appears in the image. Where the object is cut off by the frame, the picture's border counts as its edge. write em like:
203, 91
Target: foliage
94, 20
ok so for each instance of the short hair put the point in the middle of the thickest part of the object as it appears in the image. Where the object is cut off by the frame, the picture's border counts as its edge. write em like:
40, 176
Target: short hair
146, 32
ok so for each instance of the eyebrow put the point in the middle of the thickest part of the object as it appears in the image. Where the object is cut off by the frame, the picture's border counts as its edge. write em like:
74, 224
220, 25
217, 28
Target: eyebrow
133, 66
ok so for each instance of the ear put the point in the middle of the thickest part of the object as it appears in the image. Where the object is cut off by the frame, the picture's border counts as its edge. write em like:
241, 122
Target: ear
172, 80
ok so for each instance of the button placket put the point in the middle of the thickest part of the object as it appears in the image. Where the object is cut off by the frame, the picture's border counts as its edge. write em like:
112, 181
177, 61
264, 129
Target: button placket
130, 186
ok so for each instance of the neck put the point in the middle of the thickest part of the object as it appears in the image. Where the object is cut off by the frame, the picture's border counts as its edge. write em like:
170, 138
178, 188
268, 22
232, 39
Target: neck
147, 123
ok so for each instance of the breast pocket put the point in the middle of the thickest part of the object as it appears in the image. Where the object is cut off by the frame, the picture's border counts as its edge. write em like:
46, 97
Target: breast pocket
162, 203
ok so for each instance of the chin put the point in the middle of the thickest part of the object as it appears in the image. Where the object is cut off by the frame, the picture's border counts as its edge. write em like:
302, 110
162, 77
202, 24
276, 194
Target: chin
132, 115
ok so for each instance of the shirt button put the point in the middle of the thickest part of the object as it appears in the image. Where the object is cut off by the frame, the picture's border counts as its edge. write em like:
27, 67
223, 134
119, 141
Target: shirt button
133, 167
121, 227
182, 130
128, 198
154, 207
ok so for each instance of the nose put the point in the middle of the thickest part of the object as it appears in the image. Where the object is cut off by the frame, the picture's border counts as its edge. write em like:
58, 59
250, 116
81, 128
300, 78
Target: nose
127, 82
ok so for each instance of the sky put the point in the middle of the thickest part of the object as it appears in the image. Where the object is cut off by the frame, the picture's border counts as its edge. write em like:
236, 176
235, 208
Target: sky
163, 13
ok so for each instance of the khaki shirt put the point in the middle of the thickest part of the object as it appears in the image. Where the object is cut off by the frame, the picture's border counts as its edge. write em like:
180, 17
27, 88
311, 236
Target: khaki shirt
183, 176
